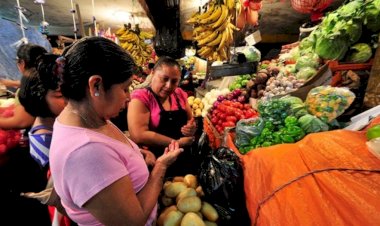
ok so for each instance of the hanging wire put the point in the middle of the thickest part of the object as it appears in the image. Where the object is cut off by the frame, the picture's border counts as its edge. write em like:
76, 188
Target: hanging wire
93, 18
21, 17
75, 25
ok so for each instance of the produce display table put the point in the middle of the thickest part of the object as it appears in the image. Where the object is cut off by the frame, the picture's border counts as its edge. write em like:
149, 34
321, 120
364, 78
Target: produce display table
327, 178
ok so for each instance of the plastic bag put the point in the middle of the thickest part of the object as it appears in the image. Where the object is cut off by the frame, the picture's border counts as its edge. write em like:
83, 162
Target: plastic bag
328, 102
246, 129
221, 178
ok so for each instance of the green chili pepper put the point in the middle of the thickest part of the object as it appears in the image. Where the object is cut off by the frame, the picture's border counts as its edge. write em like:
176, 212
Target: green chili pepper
290, 120
266, 144
294, 131
287, 139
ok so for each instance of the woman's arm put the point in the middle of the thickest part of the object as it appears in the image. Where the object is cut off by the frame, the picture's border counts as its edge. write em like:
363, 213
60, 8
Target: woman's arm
138, 127
118, 203
20, 119
10, 83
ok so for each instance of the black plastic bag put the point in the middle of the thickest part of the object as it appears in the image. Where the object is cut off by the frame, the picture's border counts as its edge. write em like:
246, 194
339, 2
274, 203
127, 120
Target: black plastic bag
221, 177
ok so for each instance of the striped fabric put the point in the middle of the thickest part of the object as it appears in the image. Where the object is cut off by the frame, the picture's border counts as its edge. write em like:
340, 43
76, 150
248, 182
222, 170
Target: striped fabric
40, 145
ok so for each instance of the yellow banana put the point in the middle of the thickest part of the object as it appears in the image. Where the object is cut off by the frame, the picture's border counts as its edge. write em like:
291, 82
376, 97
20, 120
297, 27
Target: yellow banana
222, 18
222, 42
120, 31
209, 38
203, 35
205, 15
193, 19
230, 4
233, 27
223, 54
224, 25
204, 51
214, 16
216, 41
199, 29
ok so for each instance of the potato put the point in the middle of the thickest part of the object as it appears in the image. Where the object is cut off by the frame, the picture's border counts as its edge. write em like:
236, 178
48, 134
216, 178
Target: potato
189, 204
178, 179
192, 219
166, 200
209, 211
173, 189
160, 220
209, 223
197, 100
186, 193
166, 184
199, 191
191, 181
173, 218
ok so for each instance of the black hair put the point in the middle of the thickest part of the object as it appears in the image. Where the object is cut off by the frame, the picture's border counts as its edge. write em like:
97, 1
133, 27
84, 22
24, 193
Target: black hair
168, 61
94, 56
150, 66
35, 86
29, 54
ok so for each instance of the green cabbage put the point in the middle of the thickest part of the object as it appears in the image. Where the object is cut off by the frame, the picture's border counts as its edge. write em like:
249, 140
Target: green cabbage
353, 30
305, 73
350, 9
307, 60
359, 53
331, 47
372, 15
307, 42
312, 124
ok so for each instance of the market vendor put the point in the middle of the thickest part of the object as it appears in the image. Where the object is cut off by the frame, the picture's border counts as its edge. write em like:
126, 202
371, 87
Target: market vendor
160, 113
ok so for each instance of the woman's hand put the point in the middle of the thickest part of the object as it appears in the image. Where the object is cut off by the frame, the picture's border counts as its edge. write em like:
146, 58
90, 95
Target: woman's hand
149, 157
170, 154
190, 128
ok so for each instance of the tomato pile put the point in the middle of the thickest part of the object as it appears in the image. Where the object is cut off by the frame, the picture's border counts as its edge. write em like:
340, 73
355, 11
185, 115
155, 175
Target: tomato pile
226, 113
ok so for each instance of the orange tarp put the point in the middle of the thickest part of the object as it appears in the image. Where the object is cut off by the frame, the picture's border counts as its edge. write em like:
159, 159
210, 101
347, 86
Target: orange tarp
327, 178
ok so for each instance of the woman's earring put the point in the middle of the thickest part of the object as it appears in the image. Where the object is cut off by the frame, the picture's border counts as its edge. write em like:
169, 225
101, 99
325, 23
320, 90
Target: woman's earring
96, 94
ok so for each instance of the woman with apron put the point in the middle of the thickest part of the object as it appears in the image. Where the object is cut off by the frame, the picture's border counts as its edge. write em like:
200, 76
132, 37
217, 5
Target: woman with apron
160, 113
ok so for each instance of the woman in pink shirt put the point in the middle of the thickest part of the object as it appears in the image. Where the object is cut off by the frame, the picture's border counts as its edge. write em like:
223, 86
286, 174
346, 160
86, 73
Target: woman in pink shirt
164, 115
99, 174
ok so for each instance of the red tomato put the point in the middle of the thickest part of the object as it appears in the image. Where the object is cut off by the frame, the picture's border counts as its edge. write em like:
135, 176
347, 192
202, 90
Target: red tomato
228, 124
220, 122
247, 106
223, 116
231, 119
214, 120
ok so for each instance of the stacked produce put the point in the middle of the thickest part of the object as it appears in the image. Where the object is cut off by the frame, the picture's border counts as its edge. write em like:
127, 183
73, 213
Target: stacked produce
240, 82
196, 105
273, 78
8, 138
213, 29
288, 119
183, 204
340, 30
133, 41
210, 98
229, 109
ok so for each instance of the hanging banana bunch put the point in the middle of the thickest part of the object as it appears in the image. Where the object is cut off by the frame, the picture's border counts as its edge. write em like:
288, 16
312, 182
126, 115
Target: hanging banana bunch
214, 29
133, 41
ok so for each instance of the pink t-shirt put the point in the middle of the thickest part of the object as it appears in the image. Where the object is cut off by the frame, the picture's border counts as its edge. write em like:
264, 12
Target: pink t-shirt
150, 102
84, 162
